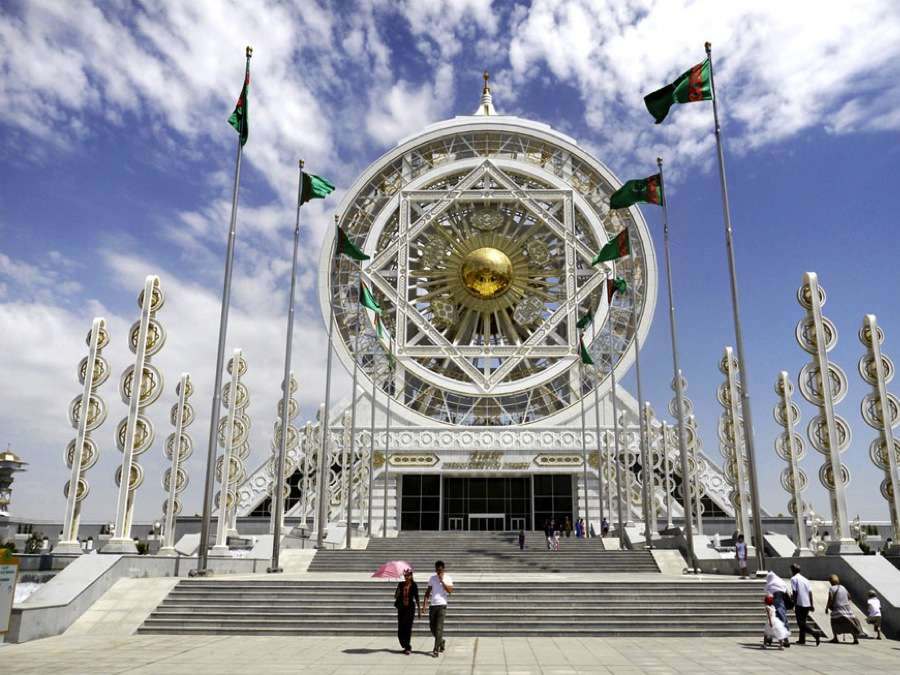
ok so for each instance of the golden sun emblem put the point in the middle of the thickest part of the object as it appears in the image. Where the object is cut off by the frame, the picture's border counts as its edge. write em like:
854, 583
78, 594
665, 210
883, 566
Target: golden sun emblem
486, 272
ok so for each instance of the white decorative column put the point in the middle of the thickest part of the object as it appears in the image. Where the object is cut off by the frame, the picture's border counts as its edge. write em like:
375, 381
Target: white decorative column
346, 459
668, 444
178, 449
731, 442
828, 433
82, 453
689, 488
698, 466
881, 411
233, 433
140, 386
293, 440
789, 446
649, 473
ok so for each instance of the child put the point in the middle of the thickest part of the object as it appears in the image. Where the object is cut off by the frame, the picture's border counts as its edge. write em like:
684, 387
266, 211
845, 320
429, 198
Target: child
873, 613
740, 554
774, 629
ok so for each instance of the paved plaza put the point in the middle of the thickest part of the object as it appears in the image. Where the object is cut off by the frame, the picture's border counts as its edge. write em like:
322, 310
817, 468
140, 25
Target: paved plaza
192, 655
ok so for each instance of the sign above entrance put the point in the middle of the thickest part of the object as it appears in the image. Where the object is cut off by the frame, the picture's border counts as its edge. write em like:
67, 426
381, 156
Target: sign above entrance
486, 461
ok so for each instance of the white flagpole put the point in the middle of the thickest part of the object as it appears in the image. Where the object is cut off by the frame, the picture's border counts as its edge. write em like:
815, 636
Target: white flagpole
203, 550
738, 331
324, 465
278, 491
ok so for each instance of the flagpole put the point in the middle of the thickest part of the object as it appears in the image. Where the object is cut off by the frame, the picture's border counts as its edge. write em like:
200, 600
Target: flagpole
371, 450
202, 551
587, 517
738, 332
348, 508
387, 445
666, 466
642, 442
278, 491
599, 452
679, 388
324, 465
612, 373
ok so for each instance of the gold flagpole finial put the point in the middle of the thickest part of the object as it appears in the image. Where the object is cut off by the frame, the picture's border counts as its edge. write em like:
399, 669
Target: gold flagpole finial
337, 219
708, 47
659, 162
249, 51
301, 164
487, 76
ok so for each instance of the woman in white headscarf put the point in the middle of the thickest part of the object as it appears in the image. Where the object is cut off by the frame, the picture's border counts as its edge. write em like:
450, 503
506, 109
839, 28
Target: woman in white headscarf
778, 589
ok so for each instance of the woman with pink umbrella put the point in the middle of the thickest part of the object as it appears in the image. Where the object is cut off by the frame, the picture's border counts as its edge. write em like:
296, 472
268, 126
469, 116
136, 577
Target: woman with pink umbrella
406, 599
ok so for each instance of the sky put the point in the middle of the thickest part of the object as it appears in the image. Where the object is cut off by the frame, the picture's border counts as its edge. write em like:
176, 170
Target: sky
117, 162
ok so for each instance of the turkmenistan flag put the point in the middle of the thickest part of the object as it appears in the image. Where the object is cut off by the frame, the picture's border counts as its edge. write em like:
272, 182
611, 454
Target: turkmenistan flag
586, 320
240, 118
585, 354
693, 85
367, 299
647, 190
614, 286
344, 246
314, 187
617, 247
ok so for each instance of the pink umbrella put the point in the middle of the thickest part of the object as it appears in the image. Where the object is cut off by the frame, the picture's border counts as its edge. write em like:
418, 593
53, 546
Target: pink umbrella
392, 570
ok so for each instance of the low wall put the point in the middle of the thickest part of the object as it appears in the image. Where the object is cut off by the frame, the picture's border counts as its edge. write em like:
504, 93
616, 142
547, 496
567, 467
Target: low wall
59, 602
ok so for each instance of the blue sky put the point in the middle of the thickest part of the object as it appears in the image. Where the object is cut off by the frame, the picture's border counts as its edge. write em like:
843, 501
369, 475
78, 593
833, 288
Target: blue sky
117, 162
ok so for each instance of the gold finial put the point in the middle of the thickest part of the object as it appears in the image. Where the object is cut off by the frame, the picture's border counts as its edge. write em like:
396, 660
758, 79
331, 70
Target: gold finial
249, 51
487, 76
301, 163
659, 162
337, 218
708, 47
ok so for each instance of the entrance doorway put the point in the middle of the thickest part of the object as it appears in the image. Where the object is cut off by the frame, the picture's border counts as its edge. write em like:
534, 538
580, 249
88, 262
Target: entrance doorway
486, 522
454, 524
516, 524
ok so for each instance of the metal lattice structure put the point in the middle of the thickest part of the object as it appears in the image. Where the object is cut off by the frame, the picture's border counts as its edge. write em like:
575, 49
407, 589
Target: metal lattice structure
481, 237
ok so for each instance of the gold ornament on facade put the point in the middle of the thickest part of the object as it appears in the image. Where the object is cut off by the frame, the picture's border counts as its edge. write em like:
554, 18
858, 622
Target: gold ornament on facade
486, 272
156, 337
96, 413
83, 489
151, 385
143, 434
136, 476
101, 371
89, 454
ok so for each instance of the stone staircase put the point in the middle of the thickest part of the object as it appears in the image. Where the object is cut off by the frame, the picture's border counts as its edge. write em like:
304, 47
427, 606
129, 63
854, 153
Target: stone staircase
485, 552
641, 607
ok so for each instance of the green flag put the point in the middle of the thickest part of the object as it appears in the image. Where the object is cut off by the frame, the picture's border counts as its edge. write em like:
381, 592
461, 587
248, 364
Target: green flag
367, 299
314, 187
614, 286
693, 85
585, 321
346, 247
617, 247
585, 354
240, 118
647, 190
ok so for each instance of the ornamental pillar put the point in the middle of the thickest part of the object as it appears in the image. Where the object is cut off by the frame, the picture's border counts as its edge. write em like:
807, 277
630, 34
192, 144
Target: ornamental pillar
178, 449
789, 446
731, 443
82, 453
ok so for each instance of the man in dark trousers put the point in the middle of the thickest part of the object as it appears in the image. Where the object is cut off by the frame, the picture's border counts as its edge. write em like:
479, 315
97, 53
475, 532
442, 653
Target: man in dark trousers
803, 604
440, 586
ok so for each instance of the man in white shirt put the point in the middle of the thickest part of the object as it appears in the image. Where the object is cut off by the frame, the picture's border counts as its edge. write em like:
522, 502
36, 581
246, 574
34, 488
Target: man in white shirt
440, 586
803, 604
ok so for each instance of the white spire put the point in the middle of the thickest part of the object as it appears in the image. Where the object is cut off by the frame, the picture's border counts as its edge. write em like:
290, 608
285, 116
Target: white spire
486, 106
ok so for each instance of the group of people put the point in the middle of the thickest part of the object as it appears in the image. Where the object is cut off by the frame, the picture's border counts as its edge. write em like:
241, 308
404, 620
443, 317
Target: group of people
781, 596
406, 600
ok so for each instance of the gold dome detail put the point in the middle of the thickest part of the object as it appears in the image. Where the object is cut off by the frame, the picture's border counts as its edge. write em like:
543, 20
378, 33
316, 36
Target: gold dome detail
486, 272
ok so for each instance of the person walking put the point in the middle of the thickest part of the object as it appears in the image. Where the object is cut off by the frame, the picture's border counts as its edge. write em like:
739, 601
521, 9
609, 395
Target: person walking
556, 537
406, 600
842, 619
567, 527
548, 533
740, 554
774, 630
440, 586
776, 587
873, 613
604, 527
522, 539
803, 605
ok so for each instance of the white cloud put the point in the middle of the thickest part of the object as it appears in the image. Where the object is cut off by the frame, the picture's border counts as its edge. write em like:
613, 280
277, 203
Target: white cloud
780, 67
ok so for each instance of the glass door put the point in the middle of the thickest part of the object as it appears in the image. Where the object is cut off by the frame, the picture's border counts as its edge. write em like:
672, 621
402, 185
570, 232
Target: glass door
455, 524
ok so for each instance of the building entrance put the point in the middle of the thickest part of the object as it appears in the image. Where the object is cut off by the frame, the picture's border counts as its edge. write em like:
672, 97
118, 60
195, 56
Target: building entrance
482, 503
